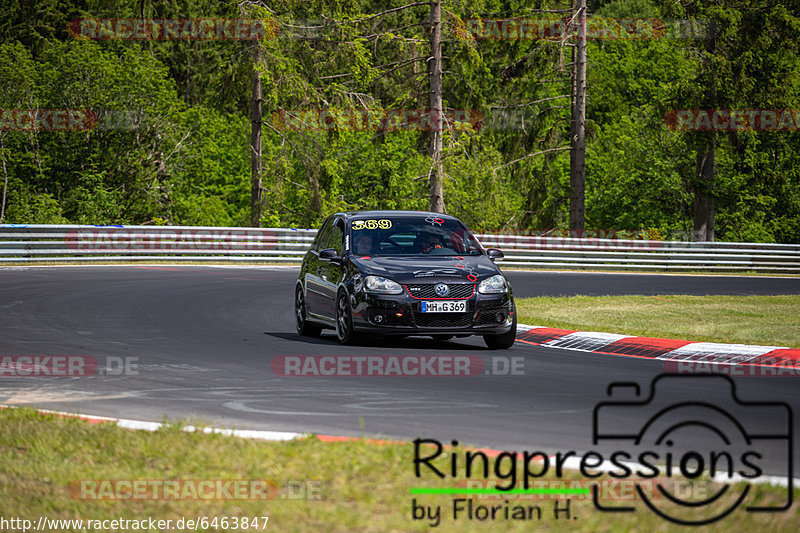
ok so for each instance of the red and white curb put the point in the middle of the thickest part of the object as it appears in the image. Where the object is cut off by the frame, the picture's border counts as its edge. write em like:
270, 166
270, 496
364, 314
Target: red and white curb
668, 350
142, 425
155, 426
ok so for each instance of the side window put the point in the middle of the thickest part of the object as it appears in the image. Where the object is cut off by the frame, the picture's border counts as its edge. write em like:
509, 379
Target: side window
323, 235
336, 240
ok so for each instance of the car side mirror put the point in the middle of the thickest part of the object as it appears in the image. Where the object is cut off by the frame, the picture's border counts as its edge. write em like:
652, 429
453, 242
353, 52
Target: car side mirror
329, 254
495, 254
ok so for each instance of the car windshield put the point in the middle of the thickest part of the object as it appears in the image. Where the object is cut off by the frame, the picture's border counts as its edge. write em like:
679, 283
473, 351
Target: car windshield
411, 236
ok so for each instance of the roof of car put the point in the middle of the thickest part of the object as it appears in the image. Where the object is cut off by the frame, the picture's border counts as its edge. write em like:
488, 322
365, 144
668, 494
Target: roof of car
387, 213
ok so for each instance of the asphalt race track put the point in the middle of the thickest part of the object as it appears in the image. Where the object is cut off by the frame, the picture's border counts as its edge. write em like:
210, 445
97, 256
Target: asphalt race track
199, 341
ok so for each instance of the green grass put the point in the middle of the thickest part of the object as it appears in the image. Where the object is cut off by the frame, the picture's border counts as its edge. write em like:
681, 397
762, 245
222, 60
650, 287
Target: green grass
363, 486
764, 320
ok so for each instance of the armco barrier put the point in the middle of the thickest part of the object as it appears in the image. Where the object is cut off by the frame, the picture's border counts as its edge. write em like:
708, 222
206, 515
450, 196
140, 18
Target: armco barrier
71, 243
33, 243
612, 254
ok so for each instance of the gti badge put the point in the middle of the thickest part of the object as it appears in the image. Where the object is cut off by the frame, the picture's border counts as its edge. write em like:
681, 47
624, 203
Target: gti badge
442, 289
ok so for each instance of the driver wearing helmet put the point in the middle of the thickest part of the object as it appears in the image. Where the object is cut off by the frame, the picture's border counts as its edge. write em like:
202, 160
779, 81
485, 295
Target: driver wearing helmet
430, 242
362, 244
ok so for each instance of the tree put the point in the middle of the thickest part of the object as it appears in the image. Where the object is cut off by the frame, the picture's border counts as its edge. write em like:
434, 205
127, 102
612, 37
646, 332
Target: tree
577, 160
435, 73
257, 189
746, 59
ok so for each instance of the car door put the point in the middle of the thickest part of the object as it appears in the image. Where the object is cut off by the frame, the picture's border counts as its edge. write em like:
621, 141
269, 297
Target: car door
315, 301
331, 273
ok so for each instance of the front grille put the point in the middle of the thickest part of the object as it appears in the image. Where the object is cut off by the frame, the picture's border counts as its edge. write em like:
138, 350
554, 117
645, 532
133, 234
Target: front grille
458, 291
443, 320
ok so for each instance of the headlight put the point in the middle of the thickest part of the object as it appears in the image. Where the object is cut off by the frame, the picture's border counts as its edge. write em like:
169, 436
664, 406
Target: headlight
494, 285
381, 285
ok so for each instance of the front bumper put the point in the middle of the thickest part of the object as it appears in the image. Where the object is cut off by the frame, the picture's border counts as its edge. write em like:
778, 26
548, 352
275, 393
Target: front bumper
402, 315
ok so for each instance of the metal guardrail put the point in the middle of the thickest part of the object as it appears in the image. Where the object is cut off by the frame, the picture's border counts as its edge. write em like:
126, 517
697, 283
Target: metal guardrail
586, 253
74, 243
21, 243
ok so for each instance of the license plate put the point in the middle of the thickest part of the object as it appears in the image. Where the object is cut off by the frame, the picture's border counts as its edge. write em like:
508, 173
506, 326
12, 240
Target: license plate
445, 306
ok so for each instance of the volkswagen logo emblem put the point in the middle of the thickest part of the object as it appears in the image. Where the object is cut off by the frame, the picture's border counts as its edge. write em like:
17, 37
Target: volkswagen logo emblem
442, 289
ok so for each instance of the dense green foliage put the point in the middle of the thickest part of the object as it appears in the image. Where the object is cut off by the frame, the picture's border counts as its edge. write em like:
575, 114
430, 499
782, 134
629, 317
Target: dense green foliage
177, 149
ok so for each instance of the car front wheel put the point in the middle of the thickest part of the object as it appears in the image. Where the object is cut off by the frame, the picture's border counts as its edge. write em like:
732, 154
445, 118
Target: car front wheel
344, 320
505, 340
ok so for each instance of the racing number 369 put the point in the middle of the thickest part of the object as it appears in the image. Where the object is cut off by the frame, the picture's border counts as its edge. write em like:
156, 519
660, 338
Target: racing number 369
372, 223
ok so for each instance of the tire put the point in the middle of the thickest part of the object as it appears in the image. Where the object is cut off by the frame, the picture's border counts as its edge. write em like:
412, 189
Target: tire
303, 327
505, 340
344, 320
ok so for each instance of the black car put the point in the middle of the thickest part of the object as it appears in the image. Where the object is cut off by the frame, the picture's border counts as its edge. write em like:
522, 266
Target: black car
403, 273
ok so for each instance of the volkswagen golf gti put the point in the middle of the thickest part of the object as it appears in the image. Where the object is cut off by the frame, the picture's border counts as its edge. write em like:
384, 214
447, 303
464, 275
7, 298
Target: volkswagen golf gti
401, 273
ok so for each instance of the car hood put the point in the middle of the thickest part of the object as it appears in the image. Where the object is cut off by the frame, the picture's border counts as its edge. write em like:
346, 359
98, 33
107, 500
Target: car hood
416, 269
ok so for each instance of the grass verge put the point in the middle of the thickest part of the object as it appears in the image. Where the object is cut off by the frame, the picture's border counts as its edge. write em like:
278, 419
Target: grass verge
342, 486
764, 320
